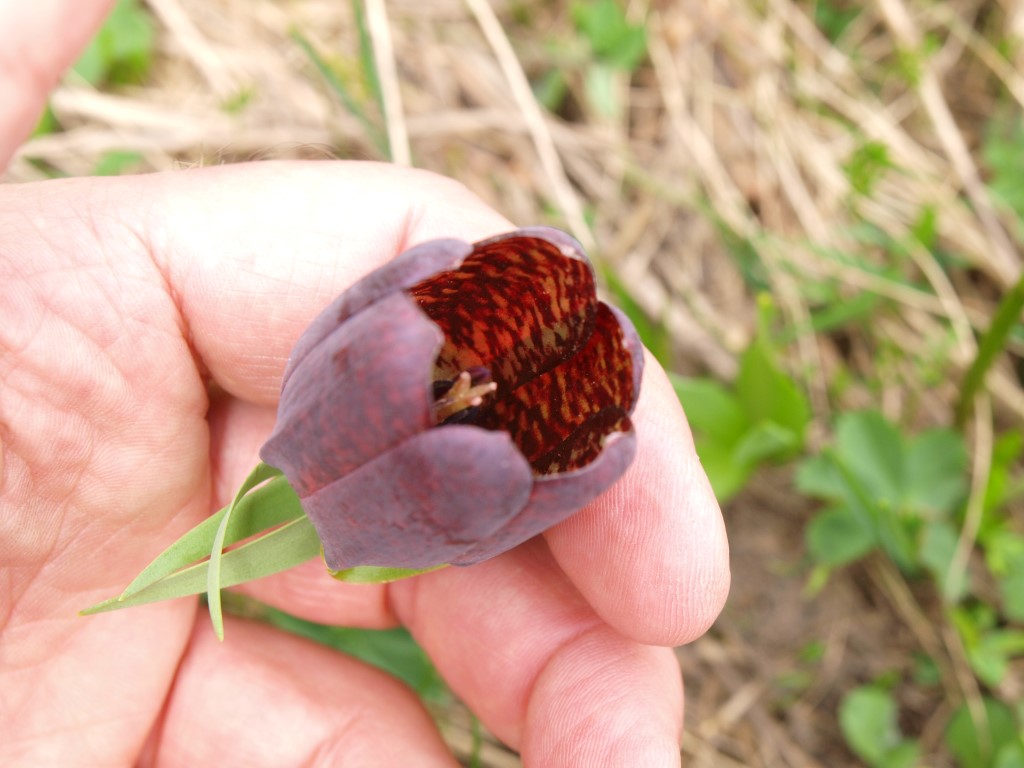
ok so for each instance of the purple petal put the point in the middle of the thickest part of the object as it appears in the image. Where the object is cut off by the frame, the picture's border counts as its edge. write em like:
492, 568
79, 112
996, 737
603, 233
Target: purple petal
404, 271
363, 389
556, 497
424, 502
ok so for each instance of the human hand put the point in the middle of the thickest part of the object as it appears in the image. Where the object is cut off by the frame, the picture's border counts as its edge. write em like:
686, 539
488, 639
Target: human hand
146, 323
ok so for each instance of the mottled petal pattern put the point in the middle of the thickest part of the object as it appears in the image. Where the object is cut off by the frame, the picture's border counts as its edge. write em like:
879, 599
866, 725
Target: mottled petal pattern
546, 410
517, 307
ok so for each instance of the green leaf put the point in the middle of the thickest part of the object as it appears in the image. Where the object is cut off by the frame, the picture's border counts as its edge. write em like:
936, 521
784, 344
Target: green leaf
978, 750
285, 547
267, 506
1010, 755
936, 473
261, 473
92, 64
872, 449
841, 311
710, 408
766, 393
991, 655
47, 124
1005, 456
833, 17
904, 755
925, 228
116, 163
868, 718
895, 485
392, 650
972, 620
718, 425
612, 38
820, 477
765, 419
550, 90
764, 441
938, 544
367, 60
837, 536
372, 574
1004, 548
866, 166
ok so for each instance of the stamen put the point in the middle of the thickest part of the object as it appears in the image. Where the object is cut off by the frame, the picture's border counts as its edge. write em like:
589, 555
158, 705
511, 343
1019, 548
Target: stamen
462, 395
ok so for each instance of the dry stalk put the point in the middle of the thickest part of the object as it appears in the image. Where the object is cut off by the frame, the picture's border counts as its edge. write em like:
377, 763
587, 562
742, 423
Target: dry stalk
1005, 261
537, 125
387, 71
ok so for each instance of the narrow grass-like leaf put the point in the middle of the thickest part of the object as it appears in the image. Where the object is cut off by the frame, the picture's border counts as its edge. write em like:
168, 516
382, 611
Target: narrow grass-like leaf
367, 59
375, 134
265, 507
372, 574
285, 547
989, 348
260, 474
843, 312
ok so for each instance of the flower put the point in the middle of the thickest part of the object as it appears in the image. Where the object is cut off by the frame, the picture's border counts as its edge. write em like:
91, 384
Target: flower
456, 402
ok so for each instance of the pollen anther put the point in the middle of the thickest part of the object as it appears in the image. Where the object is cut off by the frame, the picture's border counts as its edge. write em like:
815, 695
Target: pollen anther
463, 394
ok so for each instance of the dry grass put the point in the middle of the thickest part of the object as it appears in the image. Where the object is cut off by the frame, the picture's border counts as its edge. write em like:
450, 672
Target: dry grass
742, 120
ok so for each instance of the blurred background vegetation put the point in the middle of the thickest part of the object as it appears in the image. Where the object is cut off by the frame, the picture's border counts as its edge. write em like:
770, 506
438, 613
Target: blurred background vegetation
813, 211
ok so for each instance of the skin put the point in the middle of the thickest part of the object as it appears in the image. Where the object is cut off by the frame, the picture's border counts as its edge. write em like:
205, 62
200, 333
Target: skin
146, 325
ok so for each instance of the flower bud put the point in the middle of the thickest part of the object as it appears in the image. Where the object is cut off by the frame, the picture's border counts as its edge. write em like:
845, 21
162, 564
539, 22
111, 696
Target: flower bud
456, 402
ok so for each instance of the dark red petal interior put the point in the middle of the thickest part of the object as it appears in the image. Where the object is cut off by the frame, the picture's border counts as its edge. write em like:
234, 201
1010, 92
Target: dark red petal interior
559, 419
584, 444
517, 306
523, 307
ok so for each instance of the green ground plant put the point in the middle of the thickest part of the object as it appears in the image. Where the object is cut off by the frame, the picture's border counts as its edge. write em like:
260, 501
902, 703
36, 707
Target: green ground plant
604, 48
869, 717
761, 418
